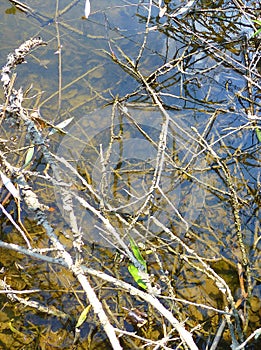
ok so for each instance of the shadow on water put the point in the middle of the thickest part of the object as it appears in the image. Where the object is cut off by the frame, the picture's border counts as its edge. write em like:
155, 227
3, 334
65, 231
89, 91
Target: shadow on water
116, 74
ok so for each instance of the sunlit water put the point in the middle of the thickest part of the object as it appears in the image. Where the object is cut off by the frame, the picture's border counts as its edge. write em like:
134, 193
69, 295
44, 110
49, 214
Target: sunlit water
199, 65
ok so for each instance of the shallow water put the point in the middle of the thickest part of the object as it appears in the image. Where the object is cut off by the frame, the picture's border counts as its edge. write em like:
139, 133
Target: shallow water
196, 63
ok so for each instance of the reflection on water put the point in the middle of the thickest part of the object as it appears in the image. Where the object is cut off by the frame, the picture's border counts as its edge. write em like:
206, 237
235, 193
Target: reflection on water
129, 157
204, 66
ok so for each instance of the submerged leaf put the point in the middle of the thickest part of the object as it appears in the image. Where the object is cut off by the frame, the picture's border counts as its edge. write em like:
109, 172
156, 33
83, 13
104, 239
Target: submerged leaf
83, 316
136, 317
87, 9
9, 185
14, 330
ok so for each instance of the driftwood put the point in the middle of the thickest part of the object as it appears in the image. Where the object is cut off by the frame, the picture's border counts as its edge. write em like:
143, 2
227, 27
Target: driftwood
151, 226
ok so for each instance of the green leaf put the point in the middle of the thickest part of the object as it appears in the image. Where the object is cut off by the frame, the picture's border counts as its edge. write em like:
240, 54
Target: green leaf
83, 316
259, 30
134, 271
137, 253
14, 330
258, 134
258, 21
29, 156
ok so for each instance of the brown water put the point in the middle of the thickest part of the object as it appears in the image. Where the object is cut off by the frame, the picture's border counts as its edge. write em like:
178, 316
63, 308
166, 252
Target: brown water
206, 76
